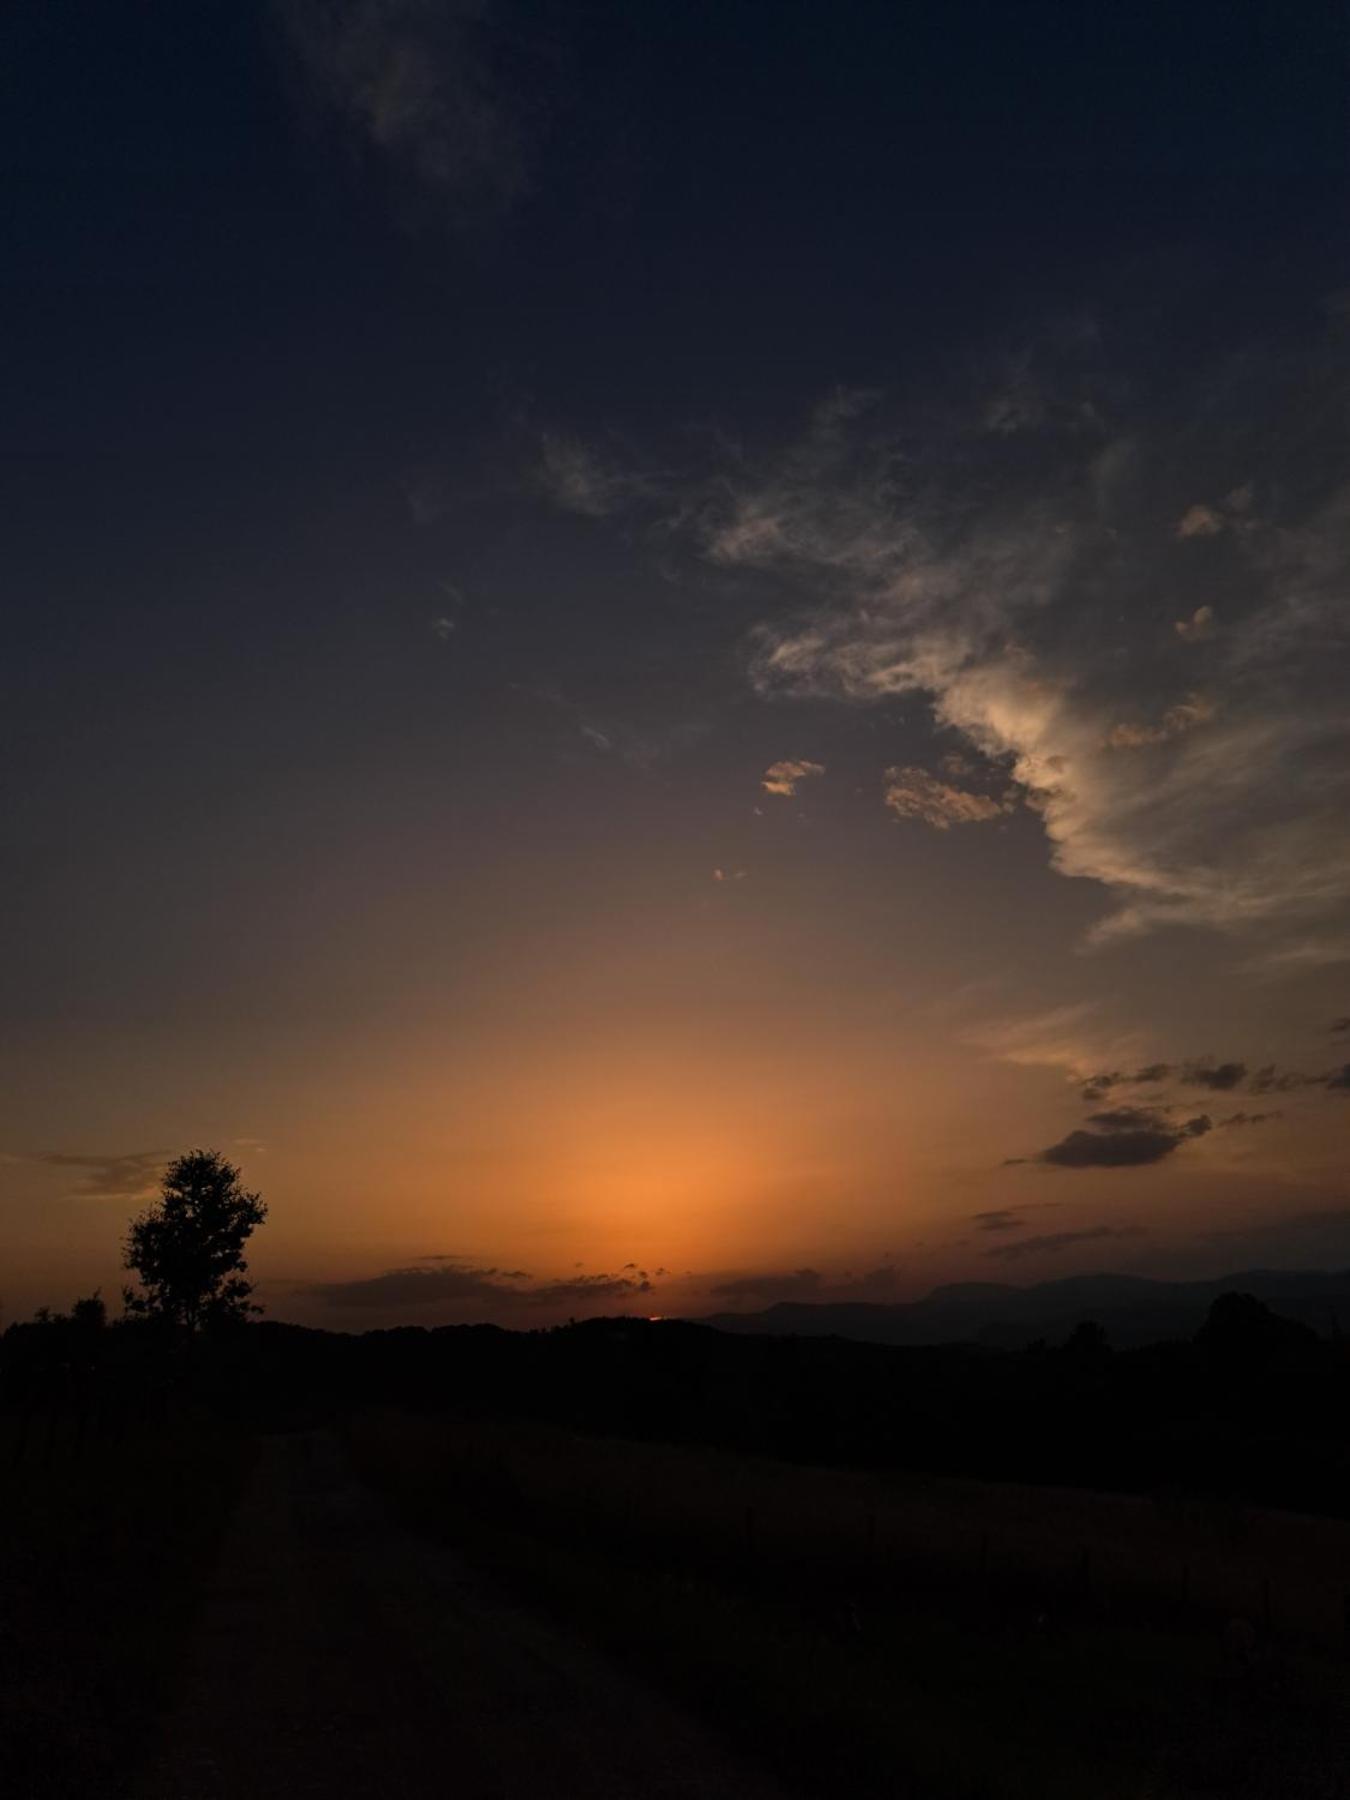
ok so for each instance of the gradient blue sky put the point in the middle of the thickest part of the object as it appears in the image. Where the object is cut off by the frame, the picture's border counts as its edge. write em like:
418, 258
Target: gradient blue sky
647, 648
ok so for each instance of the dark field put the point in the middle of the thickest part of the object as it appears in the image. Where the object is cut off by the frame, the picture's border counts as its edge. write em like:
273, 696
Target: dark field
894, 1635
108, 1526
622, 1559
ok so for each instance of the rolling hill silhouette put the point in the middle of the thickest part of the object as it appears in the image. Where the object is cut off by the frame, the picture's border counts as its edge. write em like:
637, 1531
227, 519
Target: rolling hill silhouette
1134, 1309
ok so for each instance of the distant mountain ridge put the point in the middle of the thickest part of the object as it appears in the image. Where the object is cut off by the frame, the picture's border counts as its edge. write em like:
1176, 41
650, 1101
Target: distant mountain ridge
1133, 1309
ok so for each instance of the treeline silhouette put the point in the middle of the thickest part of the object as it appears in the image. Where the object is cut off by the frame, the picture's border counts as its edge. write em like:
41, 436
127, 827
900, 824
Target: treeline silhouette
1252, 1408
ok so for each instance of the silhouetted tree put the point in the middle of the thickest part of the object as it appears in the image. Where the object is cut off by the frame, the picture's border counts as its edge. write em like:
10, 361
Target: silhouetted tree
188, 1249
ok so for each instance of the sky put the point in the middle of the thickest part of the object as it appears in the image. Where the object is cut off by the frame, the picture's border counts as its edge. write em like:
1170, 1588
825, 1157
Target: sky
657, 658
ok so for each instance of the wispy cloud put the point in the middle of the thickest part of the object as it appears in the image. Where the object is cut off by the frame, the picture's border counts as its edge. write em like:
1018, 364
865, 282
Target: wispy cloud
419, 85
577, 479
1000, 590
1062, 1037
1008, 1218
1186, 715
1061, 1240
126, 1175
913, 793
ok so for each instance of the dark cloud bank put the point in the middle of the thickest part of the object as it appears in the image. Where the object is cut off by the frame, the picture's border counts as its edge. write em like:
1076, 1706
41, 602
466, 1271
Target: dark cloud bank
447, 1281
1124, 1138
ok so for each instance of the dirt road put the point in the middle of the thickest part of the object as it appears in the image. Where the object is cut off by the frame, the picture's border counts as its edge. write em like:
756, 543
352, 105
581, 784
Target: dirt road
341, 1654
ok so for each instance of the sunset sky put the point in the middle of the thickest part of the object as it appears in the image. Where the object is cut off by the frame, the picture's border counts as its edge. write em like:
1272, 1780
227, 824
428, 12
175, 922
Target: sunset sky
662, 656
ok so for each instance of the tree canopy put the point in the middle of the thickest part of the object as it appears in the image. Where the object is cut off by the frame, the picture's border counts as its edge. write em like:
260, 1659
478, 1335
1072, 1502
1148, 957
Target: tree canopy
188, 1249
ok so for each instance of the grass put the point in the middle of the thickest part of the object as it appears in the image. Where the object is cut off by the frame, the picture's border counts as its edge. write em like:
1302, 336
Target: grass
107, 1528
865, 1634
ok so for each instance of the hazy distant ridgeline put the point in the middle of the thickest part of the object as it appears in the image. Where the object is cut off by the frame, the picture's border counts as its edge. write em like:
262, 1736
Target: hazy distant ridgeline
1132, 1309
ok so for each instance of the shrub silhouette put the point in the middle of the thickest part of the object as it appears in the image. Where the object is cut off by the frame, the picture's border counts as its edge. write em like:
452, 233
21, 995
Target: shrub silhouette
188, 1249
90, 1313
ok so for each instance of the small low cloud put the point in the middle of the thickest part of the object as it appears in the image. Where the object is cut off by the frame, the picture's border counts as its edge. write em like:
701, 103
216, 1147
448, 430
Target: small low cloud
421, 1285
1010, 1218
1198, 627
587, 1290
1231, 514
1199, 521
1129, 1118
1339, 1079
1143, 1138
1340, 1025
1097, 1087
1062, 1240
912, 793
1246, 1118
1273, 1080
723, 875
1219, 1077
784, 777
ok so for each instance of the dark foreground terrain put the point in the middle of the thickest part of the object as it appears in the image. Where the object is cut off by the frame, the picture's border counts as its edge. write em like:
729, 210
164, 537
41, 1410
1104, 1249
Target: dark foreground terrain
882, 1635
633, 1559
339, 1653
